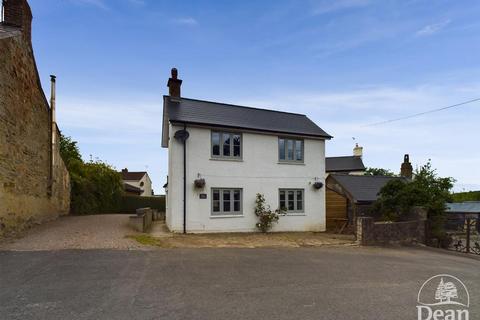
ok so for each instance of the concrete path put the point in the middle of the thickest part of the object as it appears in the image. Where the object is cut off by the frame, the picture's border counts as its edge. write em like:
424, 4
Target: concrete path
78, 232
301, 283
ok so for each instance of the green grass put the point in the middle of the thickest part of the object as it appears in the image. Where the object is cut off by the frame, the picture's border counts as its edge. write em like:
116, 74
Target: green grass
146, 240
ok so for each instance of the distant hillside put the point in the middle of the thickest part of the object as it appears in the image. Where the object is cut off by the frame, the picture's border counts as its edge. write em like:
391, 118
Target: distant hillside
466, 196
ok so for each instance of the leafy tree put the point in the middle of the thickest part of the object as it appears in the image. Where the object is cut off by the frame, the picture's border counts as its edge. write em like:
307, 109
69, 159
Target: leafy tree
427, 189
69, 150
95, 186
378, 172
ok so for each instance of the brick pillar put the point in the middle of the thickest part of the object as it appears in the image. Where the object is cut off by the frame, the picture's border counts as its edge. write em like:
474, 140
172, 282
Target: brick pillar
406, 170
365, 231
17, 13
174, 84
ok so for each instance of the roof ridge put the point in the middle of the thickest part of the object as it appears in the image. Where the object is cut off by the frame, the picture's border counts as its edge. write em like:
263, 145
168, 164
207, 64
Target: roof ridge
363, 176
344, 157
240, 106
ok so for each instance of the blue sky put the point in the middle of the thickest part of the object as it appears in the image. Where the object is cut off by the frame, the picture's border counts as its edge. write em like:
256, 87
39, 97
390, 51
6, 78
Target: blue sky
344, 63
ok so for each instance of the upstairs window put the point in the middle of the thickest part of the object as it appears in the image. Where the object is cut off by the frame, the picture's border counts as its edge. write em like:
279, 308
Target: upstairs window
226, 145
290, 150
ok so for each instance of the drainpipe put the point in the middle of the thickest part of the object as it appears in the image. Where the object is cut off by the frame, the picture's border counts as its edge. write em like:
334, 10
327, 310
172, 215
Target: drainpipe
182, 135
53, 128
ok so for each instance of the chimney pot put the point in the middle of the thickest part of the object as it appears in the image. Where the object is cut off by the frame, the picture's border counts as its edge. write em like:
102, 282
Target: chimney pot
174, 84
406, 170
358, 151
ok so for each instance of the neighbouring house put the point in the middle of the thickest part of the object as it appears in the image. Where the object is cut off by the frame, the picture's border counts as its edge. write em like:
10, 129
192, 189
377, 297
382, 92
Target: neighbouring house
350, 196
137, 183
346, 164
221, 155
34, 182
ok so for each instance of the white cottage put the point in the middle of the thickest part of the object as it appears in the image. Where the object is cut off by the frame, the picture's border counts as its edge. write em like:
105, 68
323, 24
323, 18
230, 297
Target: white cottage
221, 155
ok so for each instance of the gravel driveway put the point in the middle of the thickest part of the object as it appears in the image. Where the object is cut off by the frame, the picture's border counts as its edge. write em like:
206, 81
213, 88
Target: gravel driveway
78, 232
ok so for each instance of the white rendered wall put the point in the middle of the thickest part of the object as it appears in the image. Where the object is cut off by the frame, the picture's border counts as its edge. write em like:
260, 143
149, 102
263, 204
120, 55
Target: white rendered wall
257, 172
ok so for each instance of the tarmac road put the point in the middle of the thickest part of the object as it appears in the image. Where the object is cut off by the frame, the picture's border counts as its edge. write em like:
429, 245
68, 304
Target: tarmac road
299, 283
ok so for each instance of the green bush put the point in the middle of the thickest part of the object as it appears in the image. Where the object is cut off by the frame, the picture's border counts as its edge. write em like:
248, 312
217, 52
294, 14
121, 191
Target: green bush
95, 186
129, 204
427, 190
378, 172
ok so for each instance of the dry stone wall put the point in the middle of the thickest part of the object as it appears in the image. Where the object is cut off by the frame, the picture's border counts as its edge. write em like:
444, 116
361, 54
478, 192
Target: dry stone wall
26, 193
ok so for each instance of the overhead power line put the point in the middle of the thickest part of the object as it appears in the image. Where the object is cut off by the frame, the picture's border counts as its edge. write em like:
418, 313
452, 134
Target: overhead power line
422, 113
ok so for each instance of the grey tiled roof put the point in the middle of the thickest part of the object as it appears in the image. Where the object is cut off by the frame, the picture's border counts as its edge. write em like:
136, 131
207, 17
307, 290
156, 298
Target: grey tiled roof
464, 207
348, 163
228, 115
362, 188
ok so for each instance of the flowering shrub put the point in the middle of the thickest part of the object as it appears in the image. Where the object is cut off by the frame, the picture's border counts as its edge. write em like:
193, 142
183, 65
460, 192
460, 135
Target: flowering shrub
266, 217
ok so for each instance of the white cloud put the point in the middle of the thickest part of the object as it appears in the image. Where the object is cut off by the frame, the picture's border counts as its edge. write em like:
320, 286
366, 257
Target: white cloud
445, 137
187, 21
432, 28
327, 6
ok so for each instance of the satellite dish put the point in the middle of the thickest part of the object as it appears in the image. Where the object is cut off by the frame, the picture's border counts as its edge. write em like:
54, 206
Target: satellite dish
181, 135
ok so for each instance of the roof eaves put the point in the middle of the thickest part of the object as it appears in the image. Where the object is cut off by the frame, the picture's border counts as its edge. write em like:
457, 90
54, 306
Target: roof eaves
327, 137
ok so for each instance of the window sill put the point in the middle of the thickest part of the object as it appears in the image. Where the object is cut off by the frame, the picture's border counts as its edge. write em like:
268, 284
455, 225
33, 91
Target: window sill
292, 163
227, 216
294, 214
227, 159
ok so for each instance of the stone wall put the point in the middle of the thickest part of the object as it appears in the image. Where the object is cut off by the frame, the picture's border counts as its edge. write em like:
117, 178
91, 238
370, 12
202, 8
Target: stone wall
381, 233
31, 190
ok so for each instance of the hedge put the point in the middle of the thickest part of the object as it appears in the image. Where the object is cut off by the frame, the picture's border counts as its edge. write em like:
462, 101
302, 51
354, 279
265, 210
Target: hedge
129, 204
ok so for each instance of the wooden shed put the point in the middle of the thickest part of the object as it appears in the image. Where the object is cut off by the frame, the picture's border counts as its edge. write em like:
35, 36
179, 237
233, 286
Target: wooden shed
349, 196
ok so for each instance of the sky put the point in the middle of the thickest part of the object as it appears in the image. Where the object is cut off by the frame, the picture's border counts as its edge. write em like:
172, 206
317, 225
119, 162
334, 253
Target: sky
344, 63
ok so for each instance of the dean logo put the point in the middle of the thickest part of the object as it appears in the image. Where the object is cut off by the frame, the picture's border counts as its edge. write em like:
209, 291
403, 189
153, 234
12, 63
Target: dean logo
443, 297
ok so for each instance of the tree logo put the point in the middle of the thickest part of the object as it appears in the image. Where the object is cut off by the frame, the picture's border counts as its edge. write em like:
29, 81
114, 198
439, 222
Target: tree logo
443, 297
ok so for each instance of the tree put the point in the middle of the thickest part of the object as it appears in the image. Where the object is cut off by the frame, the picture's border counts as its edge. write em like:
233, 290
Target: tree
378, 172
96, 187
426, 189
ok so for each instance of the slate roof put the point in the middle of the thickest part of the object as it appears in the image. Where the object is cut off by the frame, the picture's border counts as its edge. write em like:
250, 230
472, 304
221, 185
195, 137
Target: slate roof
464, 207
344, 164
362, 188
227, 115
132, 175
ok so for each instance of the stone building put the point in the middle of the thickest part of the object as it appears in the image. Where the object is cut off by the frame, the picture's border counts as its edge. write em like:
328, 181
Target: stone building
34, 182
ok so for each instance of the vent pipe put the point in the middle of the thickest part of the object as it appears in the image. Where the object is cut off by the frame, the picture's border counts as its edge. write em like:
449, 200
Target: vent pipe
53, 127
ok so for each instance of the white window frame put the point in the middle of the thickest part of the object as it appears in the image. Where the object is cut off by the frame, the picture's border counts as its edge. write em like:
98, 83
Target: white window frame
222, 212
285, 150
295, 203
221, 155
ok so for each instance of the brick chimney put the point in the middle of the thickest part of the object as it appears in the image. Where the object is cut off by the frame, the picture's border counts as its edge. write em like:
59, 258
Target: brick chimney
406, 169
358, 151
174, 84
17, 13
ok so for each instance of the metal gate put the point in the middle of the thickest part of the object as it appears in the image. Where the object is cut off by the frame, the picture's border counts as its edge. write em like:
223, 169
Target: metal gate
464, 230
